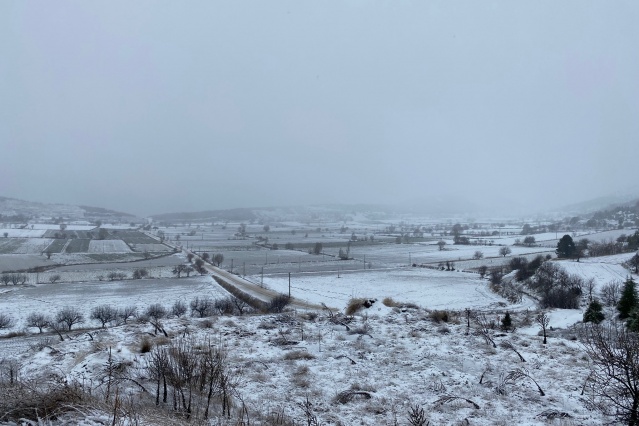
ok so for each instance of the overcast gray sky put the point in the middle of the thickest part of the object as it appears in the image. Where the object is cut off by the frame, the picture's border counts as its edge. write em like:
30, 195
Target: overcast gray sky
162, 106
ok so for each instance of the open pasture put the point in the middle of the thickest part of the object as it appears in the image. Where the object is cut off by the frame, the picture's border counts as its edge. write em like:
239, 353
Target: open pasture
425, 287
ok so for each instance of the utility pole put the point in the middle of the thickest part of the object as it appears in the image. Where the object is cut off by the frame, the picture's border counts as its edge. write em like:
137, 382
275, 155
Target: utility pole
262, 279
231, 266
289, 285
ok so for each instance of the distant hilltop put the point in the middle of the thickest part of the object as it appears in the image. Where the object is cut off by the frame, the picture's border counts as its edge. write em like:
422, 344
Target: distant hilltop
12, 209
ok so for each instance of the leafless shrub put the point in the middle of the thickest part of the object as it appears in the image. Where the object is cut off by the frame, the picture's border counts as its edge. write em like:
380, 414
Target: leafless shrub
140, 273
417, 416
146, 345
439, 316
297, 355
551, 414
484, 329
224, 306
54, 278
24, 403
6, 321
355, 305
388, 301
194, 373
278, 303
347, 396
308, 412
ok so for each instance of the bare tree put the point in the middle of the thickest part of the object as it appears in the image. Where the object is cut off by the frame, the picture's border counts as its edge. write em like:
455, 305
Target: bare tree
127, 312
156, 313
218, 259
543, 320
611, 292
505, 251
105, 314
203, 306
54, 278
614, 352
179, 308
478, 255
36, 319
441, 244
179, 270
69, 316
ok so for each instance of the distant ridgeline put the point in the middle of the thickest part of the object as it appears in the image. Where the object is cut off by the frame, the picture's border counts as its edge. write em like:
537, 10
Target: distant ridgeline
14, 210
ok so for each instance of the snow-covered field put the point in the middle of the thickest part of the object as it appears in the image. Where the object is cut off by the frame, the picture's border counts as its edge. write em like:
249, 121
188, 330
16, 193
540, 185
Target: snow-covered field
22, 233
48, 298
429, 288
398, 359
108, 246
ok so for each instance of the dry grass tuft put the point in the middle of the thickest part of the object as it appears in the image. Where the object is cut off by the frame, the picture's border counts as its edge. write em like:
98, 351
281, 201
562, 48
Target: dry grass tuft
296, 355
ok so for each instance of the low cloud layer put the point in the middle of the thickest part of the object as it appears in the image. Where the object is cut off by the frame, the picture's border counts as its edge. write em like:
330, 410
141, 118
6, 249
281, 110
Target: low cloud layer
153, 107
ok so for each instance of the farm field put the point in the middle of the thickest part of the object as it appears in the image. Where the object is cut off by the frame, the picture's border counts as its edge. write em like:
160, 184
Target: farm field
429, 288
85, 295
108, 246
19, 262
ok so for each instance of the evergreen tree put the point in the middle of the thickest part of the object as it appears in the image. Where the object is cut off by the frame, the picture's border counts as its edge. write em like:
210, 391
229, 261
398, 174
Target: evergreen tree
565, 247
628, 300
506, 321
633, 321
594, 312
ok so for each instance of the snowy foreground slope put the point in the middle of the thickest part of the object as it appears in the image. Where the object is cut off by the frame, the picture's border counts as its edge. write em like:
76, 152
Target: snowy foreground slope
300, 367
398, 357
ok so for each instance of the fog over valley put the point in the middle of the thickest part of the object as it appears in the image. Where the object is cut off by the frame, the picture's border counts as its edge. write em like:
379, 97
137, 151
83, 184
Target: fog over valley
512, 107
